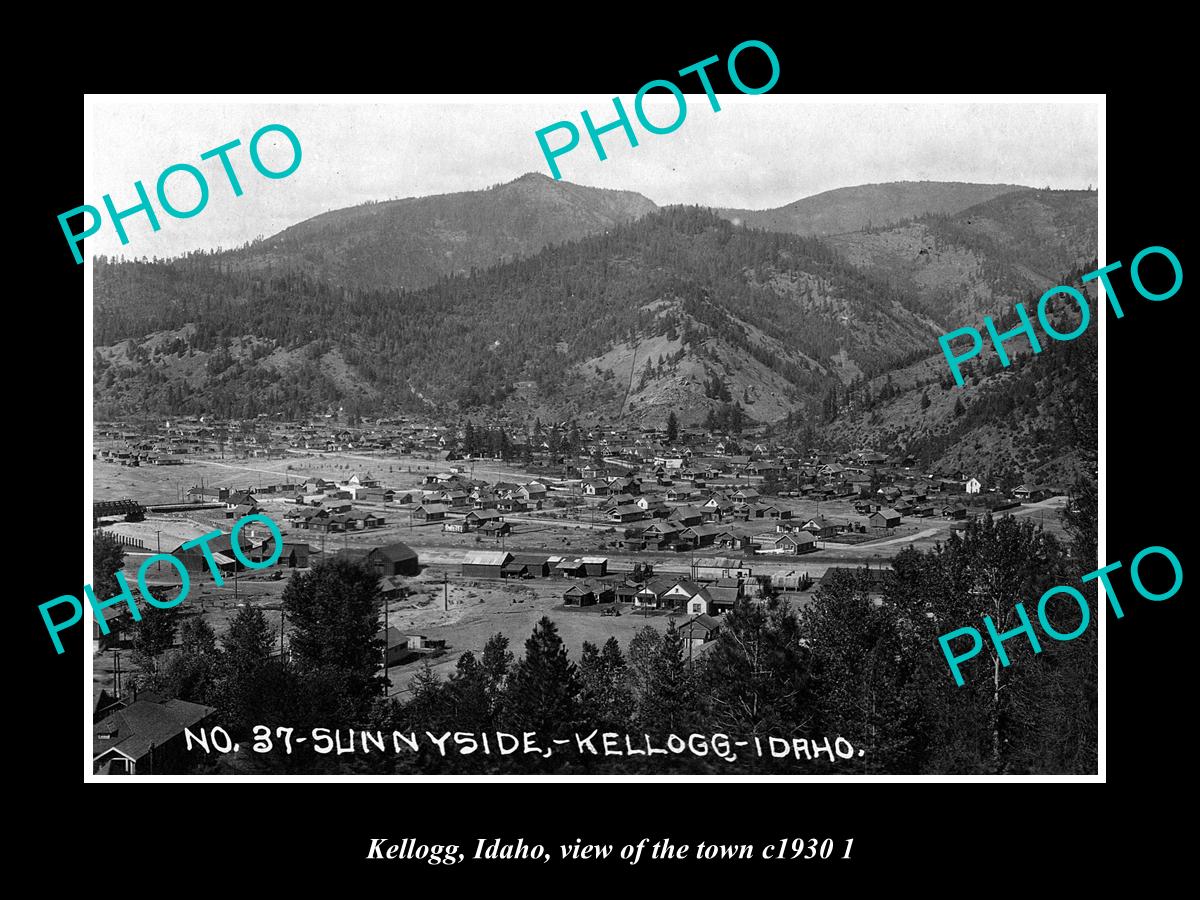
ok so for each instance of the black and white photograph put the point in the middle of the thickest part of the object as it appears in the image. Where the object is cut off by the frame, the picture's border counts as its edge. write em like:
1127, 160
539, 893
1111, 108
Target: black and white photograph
525, 435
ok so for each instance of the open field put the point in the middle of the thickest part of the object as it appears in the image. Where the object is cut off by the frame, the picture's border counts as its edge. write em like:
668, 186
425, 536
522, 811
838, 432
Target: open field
163, 484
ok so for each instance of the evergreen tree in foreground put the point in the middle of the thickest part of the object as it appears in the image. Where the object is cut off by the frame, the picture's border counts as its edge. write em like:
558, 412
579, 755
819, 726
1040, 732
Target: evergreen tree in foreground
333, 611
543, 693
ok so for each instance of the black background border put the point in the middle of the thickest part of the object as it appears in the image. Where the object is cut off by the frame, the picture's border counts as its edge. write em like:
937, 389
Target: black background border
957, 830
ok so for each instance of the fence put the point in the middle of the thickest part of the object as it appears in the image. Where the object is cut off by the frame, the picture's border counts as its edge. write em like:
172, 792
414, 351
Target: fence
135, 543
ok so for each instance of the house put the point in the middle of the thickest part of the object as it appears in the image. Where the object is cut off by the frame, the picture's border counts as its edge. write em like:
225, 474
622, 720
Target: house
654, 506
630, 513
585, 593
793, 542
477, 517
486, 564
718, 501
742, 512
701, 604
700, 630
686, 516
458, 499
595, 488
728, 540
495, 529
954, 511
532, 492
363, 479
294, 556
118, 620
240, 498
884, 518
660, 534
1028, 493
579, 595
822, 527
975, 486
394, 559
771, 512
146, 737
397, 647
701, 535
429, 512
666, 591
724, 594
456, 526
392, 587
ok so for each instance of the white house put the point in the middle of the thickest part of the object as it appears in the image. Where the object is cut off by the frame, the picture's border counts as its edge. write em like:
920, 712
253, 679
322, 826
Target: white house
974, 486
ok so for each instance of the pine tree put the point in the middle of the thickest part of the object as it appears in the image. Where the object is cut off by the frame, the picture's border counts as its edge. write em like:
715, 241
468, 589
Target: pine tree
866, 675
248, 641
605, 698
469, 703
672, 427
497, 663
197, 636
756, 677
543, 693
108, 558
154, 634
668, 702
333, 611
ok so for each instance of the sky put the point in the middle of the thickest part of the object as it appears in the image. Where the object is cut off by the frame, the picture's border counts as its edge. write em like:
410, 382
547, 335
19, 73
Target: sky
757, 152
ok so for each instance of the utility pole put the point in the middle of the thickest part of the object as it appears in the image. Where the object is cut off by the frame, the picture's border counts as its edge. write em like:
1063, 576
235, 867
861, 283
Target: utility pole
446, 591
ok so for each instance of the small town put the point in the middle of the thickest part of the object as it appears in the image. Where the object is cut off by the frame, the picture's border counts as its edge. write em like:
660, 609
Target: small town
602, 530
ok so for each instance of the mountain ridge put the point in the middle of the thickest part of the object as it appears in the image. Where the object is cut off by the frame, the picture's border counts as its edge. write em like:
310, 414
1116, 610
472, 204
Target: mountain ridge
853, 207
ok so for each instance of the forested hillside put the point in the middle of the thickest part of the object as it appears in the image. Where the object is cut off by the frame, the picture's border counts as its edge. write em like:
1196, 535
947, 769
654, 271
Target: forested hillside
957, 268
678, 310
790, 304
411, 243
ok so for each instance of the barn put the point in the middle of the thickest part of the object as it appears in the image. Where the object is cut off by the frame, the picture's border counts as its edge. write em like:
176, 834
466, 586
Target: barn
527, 564
485, 564
221, 548
595, 566
394, 559
884, 518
